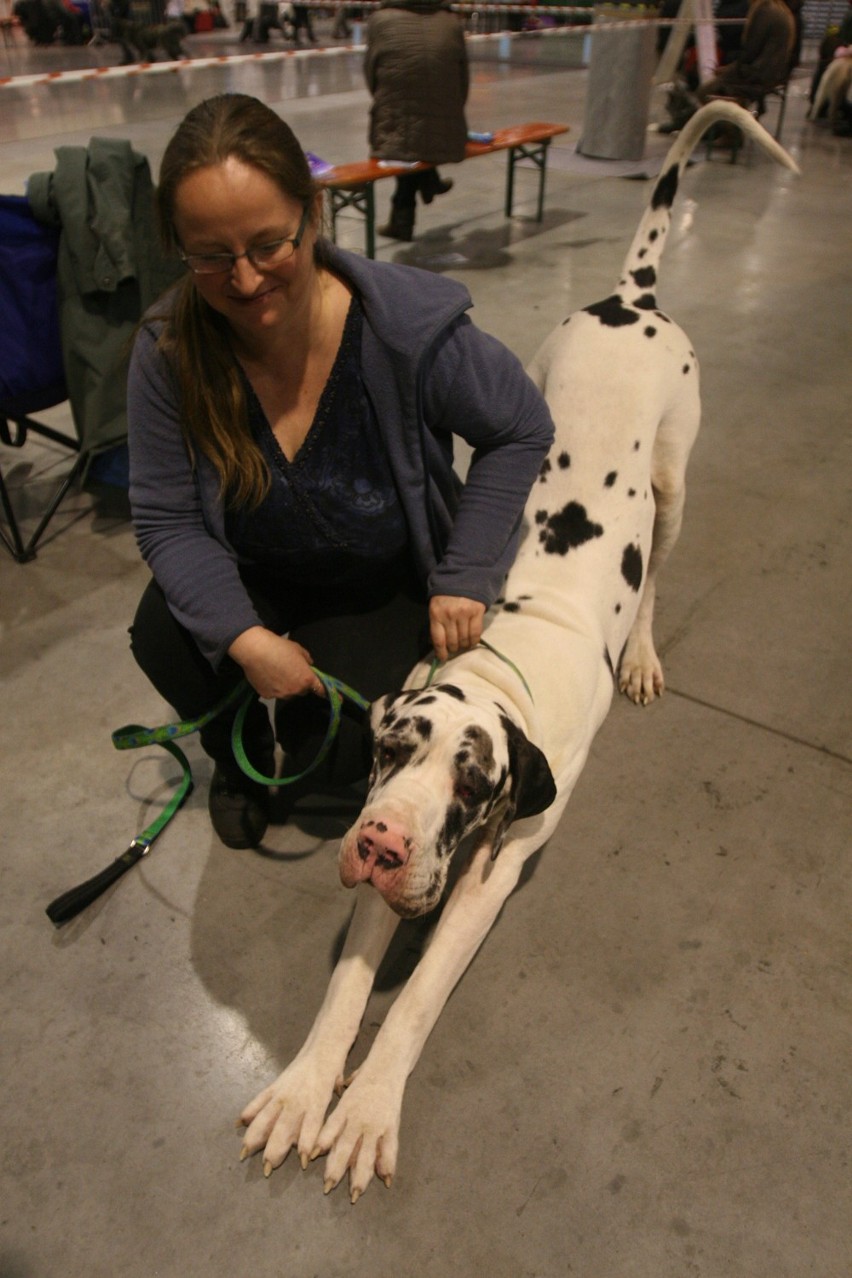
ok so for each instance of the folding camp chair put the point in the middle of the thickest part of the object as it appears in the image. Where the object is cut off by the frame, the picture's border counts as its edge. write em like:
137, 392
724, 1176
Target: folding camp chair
31, 372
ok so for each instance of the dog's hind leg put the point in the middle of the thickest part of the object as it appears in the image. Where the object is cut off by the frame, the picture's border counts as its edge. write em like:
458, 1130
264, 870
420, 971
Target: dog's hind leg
640, 673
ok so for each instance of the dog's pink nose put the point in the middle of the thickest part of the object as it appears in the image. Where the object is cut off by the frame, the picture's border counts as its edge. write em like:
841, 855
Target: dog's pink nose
382, 846
375, 852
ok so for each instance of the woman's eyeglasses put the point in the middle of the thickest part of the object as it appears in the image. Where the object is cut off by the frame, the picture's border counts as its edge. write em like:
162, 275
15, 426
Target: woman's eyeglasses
264, 257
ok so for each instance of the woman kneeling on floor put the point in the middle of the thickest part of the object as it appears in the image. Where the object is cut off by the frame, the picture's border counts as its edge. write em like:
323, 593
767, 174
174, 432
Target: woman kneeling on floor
291, 411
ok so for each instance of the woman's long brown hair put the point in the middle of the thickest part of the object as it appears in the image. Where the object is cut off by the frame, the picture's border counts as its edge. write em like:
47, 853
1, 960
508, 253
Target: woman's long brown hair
214, 411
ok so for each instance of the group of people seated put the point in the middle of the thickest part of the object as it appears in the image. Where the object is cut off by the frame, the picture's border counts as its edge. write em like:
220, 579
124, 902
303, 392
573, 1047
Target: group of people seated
45, 21
752, 60
140, 33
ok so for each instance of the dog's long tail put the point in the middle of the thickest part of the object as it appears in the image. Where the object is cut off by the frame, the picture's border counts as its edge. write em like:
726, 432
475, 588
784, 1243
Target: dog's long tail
639, 274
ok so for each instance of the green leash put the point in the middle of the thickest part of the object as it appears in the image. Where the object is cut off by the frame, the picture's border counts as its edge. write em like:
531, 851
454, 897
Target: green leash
483, 643
133, 736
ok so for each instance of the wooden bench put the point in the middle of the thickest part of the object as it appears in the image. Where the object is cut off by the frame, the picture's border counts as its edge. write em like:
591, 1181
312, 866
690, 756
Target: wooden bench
350, 186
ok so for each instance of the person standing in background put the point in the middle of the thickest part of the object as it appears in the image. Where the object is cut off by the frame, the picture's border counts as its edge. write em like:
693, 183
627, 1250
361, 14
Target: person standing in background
416, 69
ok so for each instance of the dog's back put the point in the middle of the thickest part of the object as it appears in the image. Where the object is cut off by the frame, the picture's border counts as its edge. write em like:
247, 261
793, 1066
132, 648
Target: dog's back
621, 379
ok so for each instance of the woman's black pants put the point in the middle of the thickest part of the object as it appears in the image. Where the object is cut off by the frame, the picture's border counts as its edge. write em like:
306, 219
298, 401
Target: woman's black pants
372, 651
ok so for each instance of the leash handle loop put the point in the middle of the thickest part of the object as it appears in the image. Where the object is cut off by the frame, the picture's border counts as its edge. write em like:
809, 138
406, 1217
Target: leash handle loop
336, 692
133, 736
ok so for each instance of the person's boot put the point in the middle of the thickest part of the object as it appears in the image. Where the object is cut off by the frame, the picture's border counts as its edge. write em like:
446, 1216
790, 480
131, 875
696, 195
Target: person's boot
238, 806
400, 226
432, 184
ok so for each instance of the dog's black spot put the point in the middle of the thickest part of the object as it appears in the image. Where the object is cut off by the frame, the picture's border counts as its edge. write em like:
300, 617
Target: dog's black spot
610, 479
612, 312
403, 725
564, 461
637, 444
568, 528
647, 302
451, 691
546, 468
642, 253
525, 597
665, 190
452, 829
631, 492
406, 698
650, 331
631, 566
686, 368
392, 753
567, 320
512, 607
541, 516
617, 609
661, 316
645, 276
422, 726
482, 745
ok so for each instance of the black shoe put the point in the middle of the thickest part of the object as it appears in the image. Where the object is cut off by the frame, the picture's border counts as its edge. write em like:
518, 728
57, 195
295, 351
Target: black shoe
429, 190
239, 808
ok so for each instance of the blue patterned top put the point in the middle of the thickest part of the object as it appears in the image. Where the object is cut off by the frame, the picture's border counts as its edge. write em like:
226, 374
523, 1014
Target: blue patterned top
332, 516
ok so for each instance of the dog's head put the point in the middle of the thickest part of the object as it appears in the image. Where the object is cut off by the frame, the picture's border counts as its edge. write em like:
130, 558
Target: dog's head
445, 763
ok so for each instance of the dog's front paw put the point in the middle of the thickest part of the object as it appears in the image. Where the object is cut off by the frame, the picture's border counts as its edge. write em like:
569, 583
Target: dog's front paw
640, 675
362, 1134
288, 1113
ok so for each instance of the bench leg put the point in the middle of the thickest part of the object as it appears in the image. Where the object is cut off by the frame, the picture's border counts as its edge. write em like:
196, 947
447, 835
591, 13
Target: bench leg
362, 199
537, 152
370, 215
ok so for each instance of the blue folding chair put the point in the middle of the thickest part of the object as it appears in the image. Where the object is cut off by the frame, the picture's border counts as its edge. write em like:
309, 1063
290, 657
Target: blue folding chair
31, 372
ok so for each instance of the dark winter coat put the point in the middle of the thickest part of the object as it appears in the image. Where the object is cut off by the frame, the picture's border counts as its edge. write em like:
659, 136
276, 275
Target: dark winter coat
416, 69
765, 54
110, 270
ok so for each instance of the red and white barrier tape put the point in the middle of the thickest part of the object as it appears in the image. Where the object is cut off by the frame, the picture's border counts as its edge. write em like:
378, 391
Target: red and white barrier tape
280, 55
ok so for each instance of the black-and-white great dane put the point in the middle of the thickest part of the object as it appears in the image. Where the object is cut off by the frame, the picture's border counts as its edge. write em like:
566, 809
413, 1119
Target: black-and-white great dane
497, 739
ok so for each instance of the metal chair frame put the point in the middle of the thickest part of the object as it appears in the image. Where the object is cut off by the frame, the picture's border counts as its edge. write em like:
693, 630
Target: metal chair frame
20, 550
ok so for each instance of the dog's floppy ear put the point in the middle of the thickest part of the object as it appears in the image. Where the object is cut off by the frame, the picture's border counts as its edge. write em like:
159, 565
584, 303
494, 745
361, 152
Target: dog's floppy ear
533, 788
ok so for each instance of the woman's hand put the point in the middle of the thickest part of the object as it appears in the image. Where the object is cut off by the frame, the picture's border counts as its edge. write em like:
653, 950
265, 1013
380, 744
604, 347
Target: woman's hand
455, 624
275, 666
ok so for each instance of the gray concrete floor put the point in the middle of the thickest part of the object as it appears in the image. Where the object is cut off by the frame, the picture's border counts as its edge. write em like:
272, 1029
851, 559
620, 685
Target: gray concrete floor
645, 1073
